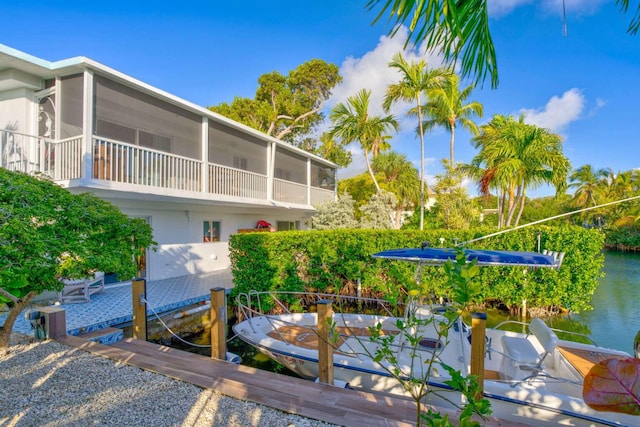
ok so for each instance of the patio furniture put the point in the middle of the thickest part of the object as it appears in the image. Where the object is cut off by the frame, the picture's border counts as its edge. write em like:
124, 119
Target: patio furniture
81, 290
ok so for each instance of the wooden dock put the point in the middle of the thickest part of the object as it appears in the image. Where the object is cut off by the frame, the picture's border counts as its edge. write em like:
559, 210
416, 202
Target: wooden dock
289, 394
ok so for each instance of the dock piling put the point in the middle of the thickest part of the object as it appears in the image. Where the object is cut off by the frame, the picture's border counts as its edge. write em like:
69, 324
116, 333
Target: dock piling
325, 348
218, 324
478, 334
139, 296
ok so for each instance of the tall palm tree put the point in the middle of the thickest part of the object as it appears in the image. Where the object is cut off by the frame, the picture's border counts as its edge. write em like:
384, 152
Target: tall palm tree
447, 108
401, 178
416, 81
515, 156
351, 122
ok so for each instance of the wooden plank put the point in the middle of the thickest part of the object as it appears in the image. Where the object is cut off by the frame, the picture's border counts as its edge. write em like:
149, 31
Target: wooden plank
289, 394
583, 360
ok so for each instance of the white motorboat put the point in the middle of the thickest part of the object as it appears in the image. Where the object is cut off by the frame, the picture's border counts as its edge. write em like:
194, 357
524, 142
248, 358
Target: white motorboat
530, 376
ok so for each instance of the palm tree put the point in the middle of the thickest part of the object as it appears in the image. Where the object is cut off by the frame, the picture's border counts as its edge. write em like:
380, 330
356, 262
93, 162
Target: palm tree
352, 122
515, 156
400, 178
447, 108
416, 80
590, 186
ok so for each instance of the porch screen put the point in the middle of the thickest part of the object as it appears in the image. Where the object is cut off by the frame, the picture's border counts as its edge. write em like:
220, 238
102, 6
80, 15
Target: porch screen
230, 148
128, 115
72, 88
290, 166
322, 176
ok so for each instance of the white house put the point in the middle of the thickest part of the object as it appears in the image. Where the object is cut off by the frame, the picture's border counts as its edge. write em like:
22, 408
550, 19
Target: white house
196, 176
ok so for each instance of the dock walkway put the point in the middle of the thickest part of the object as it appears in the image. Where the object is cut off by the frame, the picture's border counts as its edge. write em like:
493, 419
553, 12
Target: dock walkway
289, 394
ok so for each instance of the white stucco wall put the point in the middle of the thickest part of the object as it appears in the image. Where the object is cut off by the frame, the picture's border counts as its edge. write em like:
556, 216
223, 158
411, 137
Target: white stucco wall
178, 230
17, 108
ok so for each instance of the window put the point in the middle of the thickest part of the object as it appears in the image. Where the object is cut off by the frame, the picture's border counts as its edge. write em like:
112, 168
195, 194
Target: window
211, 231
288, 225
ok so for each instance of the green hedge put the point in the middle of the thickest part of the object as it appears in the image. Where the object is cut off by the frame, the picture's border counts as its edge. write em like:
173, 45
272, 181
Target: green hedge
333, 261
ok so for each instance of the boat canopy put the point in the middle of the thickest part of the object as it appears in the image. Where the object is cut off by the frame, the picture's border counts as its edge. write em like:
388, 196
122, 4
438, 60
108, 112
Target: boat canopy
438, 256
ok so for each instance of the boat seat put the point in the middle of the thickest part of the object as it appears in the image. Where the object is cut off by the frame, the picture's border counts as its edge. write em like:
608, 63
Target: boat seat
520, 350
521, 355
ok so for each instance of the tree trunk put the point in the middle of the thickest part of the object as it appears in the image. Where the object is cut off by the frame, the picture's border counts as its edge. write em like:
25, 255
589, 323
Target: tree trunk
366, 158
14, 312
453, 131
501, 206
421, 163
522, 200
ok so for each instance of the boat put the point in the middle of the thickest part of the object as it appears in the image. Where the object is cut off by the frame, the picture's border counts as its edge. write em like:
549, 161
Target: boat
531, 376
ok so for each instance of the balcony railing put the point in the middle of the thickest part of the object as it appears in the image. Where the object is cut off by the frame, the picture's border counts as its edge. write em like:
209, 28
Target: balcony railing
289, 192
60, 160
131, 164
228, 181
125, 163
320, 196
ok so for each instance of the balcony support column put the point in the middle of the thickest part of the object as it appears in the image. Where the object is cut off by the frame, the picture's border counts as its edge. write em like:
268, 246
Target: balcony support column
86, 172
204, 186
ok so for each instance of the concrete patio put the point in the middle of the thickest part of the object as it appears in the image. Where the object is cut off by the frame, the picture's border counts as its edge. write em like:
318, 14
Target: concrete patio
114, 306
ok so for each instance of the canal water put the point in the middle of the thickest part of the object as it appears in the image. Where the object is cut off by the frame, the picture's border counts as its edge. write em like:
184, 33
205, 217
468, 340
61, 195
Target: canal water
613, 322
615, 318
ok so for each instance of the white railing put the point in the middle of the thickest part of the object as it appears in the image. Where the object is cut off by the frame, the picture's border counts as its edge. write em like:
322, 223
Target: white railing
228, 181
60, 160
320, 196
66, 162
289, 192
131, 164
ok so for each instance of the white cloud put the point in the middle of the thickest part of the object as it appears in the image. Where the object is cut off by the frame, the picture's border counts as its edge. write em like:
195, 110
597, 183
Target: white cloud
372, 72
558, 112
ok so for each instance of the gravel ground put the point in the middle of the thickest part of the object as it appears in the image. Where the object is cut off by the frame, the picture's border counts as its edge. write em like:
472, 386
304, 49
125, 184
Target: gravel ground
44, 383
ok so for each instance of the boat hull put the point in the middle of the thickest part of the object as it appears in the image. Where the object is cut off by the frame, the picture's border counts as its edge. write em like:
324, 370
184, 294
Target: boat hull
522, 403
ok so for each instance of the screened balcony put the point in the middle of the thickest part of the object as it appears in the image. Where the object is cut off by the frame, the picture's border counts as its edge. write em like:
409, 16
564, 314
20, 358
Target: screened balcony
125, 163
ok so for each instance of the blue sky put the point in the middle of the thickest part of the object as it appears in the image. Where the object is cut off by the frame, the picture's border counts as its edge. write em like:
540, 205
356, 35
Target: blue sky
585, 86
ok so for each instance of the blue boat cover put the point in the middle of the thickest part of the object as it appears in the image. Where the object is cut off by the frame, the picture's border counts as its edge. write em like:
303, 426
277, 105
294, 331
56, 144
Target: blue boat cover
435, 256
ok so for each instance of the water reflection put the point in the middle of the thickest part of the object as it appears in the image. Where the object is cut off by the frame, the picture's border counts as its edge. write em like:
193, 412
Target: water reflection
615, 318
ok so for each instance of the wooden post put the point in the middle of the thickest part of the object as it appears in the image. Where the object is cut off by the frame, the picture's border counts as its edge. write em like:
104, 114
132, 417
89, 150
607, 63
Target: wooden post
218, 324
325, 348
139, 296
478, 332
55, 322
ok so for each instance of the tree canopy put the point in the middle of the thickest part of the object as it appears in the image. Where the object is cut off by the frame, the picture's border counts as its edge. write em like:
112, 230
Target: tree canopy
47, 233
286, 107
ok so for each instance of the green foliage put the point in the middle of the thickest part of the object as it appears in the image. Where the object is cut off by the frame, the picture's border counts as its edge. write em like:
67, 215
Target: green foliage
286, 107
47, 233
453, 208
336, 214
379, 212
334, 260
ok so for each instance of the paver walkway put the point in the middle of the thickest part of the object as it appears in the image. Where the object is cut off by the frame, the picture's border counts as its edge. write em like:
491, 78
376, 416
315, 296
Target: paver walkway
114, 305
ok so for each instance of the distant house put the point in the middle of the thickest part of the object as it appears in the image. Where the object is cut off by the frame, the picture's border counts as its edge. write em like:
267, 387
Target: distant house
196, 176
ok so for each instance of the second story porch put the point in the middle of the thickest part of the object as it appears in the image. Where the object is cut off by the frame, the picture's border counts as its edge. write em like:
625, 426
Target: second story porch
121, 166
87, 126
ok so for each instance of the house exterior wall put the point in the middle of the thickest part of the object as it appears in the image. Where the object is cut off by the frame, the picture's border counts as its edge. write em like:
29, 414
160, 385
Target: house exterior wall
156, 157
